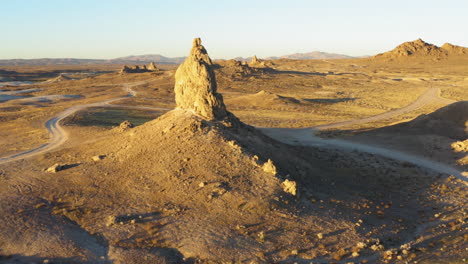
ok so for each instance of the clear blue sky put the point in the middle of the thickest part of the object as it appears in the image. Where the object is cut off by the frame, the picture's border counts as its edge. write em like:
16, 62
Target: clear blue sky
115, 28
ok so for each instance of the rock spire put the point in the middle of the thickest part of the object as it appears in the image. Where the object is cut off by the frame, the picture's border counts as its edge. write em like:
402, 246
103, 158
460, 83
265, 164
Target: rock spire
195, 85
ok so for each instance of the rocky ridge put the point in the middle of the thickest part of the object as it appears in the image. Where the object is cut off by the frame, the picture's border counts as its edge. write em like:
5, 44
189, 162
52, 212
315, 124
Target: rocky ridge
421, 49
137, 69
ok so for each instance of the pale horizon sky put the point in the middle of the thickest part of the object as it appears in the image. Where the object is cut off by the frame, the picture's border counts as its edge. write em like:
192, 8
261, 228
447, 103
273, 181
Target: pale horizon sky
105, 29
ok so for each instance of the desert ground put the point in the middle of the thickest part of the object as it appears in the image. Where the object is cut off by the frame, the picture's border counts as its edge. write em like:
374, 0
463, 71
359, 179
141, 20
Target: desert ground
273, 161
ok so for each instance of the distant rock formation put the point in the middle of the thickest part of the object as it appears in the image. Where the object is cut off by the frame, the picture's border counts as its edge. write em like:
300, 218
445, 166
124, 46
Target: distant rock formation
195, 85
254, 59
152, 67
256, 63
421, 49
235, 69
137, 69
125, 69
414, 48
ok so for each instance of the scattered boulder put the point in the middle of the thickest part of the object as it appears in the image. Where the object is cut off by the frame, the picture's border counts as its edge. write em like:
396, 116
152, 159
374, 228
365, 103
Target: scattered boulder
195, 86
460, 146
111, 220
125, 125
270, 167
290, 187
55, 168
98, 157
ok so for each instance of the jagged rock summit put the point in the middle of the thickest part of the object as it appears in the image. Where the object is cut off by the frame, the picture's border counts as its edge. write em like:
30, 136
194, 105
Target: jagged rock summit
195, 85
414, 48
421, 49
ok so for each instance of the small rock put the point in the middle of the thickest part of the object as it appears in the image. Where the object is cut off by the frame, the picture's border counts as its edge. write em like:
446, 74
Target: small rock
361, 245
110, 220
290, 187
125, 125
55, 168
269, 167
98, 157
202, 184
320, 236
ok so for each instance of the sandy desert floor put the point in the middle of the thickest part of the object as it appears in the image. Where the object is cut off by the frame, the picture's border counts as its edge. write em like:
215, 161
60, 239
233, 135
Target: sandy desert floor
353, 205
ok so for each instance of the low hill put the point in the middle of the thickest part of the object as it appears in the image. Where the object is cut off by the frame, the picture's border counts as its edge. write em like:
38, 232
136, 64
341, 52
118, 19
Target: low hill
450, 121
262, 99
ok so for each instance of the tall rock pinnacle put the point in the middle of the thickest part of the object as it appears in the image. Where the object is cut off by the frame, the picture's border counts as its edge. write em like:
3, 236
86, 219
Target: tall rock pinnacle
195, 85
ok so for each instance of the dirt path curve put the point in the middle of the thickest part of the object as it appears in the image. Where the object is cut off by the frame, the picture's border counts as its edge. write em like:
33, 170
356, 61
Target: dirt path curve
307, 137
431, 95
58, 134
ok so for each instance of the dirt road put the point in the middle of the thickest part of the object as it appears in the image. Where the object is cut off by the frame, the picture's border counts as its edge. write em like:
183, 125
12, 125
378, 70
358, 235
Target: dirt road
306, 137
430, 96
58, 135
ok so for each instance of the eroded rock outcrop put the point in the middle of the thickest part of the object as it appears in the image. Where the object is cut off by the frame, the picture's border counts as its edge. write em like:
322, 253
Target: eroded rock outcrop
195, 85
137, 69
152, 67
256, 63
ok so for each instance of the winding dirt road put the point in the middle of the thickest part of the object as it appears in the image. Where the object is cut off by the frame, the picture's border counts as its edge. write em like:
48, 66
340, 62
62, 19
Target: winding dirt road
59, 135
304, 136
307, 137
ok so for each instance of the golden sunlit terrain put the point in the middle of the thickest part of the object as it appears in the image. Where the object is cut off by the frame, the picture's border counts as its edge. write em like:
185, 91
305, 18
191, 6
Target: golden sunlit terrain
267, 161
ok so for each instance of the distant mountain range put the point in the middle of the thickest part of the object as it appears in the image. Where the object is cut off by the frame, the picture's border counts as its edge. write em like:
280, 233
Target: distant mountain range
314, 55
158, 59
141, 59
